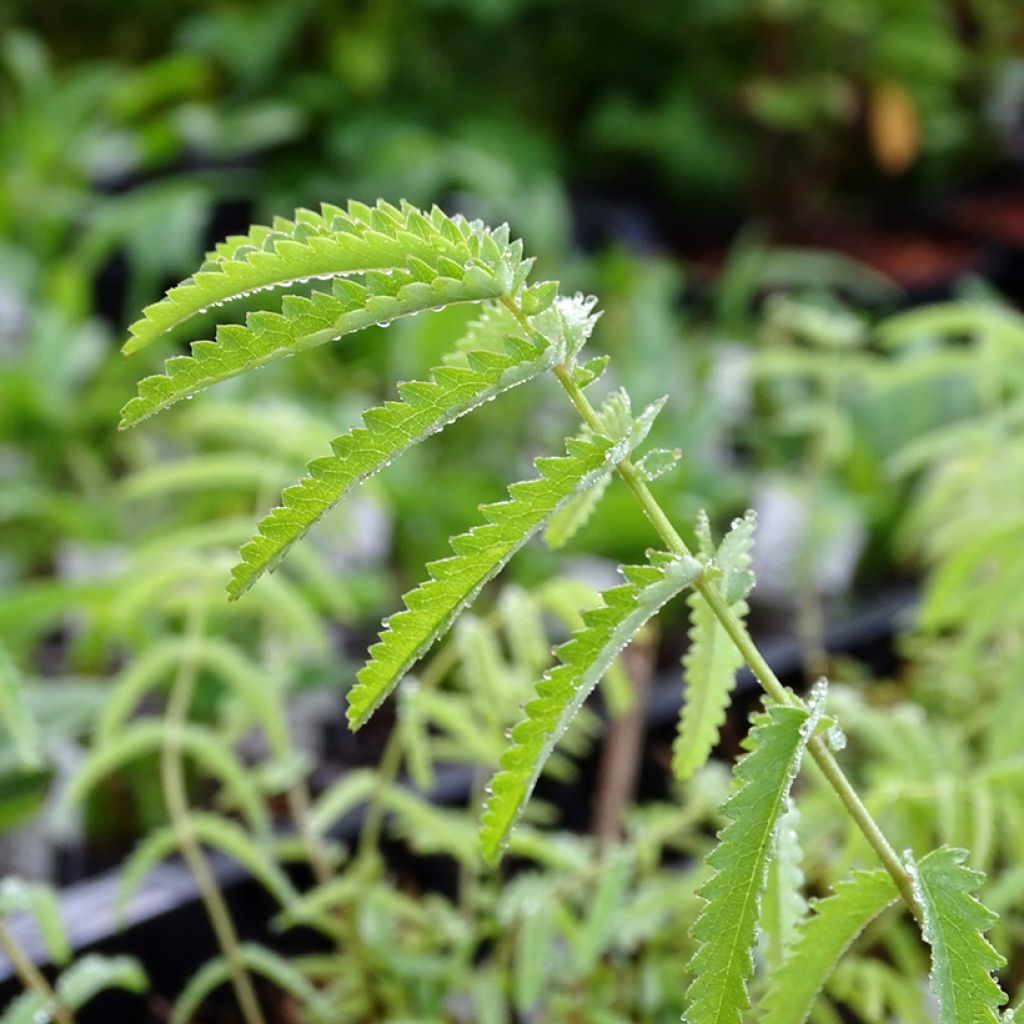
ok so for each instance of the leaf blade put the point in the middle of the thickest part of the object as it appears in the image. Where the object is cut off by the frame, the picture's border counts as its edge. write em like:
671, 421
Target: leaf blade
725, 931
562, 690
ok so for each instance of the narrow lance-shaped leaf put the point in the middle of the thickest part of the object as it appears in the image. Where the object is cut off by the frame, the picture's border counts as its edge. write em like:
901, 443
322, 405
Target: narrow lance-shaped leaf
259, 960
328, 244
92, 974
199, 742
725, 931
955, 922
823, 938
214, 831
18, 896
479, 556
583, 660
712, 660
387, 432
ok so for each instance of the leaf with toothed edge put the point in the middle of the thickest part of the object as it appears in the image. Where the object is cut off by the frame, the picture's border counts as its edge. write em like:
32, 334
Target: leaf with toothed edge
583, 660
823, 937
387, 432
333, 243
479, 556
304, 323
712, 660
726, 930
955, 922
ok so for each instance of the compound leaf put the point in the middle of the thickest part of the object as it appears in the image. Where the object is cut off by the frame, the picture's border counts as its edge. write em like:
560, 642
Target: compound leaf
387, 432
479, 556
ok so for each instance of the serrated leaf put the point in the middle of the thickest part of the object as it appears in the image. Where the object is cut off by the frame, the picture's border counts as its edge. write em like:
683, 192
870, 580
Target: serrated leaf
258, 960
332, 243
149, 736
783, 906
479, 556
955, 922
712, 660
20, 897
210, 830
387, 432
823, 938
562, 691
725, 931
90, 975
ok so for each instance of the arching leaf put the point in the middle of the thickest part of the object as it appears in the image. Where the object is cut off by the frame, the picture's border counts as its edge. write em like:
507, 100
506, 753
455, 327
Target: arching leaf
823, 938
387, 432
562, 691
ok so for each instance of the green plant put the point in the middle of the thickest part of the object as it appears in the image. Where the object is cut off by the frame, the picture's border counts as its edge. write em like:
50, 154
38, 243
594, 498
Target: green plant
384, 263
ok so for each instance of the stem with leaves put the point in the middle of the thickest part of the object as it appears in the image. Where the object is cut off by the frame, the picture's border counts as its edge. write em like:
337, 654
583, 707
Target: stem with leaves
741, 638
173, 779
31, 977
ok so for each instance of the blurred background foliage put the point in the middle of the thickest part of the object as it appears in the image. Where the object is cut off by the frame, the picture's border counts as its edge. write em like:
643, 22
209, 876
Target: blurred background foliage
750, 187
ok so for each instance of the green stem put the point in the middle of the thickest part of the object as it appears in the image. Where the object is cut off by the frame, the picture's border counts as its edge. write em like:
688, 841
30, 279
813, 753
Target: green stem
741, 638
173, 779
31, 977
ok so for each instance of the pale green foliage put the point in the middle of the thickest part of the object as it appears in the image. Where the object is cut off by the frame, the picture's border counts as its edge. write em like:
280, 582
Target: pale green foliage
783, 905
211, 830
16, 715
18, 896
159, 662
77, 985
712, 660
479, 556
955, 923
560, 694
259, 960
87, 977
824, 936
426, 407
199, 742
725, 932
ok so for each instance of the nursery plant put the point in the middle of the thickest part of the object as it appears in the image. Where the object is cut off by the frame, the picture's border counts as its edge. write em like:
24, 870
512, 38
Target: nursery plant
343, 269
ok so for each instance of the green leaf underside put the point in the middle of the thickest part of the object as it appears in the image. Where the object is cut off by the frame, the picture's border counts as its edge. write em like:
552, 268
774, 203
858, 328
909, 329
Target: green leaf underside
259, 960
955, 923
333, 242
583, 660
712, 660
387, 432
823, 938
479, 556
726, 929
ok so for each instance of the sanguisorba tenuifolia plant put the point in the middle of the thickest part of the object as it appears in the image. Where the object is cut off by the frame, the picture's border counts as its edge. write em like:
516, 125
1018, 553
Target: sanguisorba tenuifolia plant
374, 265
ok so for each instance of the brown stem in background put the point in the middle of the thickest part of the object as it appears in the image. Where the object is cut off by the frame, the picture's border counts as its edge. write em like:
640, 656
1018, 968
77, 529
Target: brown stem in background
623, 749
